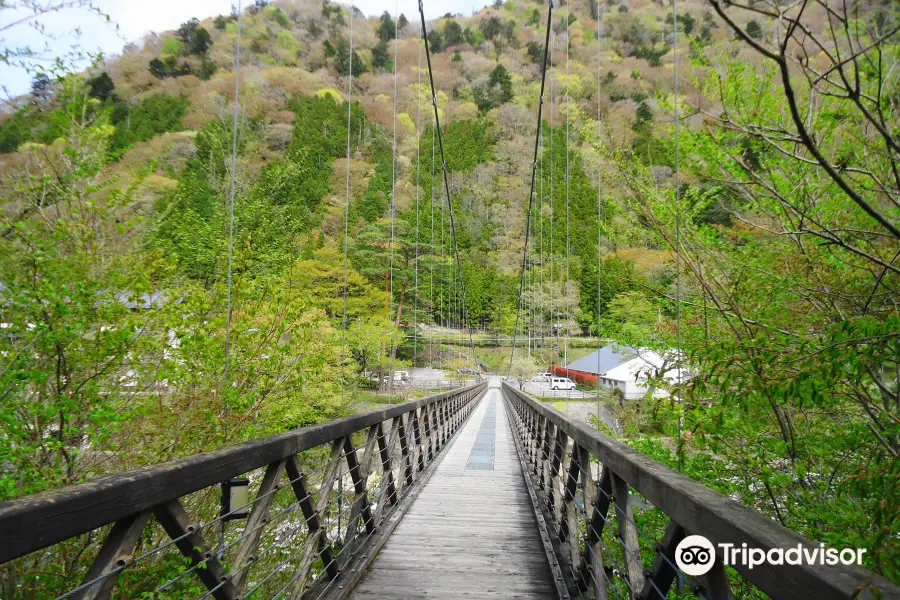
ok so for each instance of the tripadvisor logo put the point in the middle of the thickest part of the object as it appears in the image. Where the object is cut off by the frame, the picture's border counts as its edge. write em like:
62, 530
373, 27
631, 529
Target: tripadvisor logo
695, 555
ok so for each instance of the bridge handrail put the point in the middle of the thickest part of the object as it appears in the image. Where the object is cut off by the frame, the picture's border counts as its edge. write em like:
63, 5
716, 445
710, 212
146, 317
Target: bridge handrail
693, 509
34, 522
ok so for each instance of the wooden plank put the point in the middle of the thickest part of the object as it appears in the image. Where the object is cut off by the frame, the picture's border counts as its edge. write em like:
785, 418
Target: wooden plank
715, 585
428, 435
417, 433
359, 475
362, 556
406, 460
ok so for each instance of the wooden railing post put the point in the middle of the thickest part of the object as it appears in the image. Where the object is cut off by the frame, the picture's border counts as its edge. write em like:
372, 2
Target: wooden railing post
554, 471
426, 417
116, 552
359, 474
628, 535
178, 526
417, 435
313, 513
662, 573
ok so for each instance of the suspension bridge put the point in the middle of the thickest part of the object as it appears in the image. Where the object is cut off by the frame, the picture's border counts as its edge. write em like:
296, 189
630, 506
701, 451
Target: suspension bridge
481, 491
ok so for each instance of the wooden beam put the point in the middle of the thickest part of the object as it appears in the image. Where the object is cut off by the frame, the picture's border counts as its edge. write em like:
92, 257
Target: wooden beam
313, 519
253, 529
662, 573
190, 542
115, 553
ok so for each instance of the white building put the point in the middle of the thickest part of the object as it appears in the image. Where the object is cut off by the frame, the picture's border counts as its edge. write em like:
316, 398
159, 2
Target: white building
625, 368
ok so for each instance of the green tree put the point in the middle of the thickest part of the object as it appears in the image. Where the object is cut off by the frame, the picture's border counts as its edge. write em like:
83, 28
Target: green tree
535, 52
381, 58
101, 86
386, 29
754, 30
453, 33
342, 60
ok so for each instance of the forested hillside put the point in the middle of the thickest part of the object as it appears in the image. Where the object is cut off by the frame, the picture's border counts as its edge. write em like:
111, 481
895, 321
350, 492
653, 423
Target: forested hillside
116, 193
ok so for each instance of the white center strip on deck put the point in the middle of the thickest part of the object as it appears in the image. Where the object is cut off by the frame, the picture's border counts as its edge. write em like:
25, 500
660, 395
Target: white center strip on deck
471, 533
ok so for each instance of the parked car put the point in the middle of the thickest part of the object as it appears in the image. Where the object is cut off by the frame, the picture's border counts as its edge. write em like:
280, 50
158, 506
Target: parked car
545, 376
399, 377
562, 383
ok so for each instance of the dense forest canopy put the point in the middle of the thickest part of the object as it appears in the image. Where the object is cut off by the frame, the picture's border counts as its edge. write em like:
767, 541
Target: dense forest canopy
116, 185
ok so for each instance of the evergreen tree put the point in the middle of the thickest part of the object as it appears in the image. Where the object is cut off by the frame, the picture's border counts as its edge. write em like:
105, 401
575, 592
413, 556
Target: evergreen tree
453, 34
381, 57
386, 28
101, 86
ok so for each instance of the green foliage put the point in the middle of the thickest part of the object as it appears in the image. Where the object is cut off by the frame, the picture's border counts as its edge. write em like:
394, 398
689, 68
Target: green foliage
188, 229
386, 29
490, 27
754, 30
172, 47
535, 52
435, 41
342, 59
499, 90
28, 124
222, 21
169, 67
101, 87
279, 16
193, 38
381, 58
466, 145
156, 114
453, 33
287, 41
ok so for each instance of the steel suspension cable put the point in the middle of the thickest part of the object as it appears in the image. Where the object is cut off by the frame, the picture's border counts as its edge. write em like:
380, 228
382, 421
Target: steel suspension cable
566, 115
444, 169
393, 216
347, 210
234, 141
677, 237
550, 303
431, 266
599, 215
418, 188
533, 174
537, 285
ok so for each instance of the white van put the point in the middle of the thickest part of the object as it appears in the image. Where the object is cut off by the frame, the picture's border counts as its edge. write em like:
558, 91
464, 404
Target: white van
562, 383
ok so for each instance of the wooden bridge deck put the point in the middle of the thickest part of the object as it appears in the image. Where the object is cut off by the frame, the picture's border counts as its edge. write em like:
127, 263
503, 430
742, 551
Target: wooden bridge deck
471, 532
